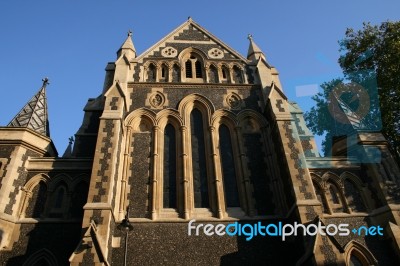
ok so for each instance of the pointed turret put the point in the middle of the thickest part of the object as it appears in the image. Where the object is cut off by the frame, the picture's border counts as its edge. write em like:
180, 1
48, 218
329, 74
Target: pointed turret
68, 150
127, 47
34, 114
254, 53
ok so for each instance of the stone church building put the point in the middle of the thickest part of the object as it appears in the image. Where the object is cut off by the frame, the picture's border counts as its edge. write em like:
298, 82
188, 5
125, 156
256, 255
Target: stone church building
190, 129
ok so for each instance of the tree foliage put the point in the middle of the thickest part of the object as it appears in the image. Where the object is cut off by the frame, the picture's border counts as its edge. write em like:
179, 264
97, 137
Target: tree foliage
319, 119
369, 54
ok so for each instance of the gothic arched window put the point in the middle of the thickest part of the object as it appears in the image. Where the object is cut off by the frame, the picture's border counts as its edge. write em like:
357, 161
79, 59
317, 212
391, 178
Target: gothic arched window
151, 73
228, 167
79, 198
320, 196
355, 260
164, 73
237, 75
213, 76
43, 257
169, 184
224, 74
200, 183
189, 70
199, 71
353, 197
58, 201
334, 194
193, 67
140, 170
257, 165
334, 198
176, 73
358, 255
37, 201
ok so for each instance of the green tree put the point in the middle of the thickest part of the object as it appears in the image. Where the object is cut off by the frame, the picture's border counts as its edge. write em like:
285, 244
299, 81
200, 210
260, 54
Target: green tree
369, 54
319, 119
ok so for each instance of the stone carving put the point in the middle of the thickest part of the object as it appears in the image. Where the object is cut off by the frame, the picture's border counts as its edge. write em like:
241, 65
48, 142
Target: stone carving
215, 53
157, 100
169, 52
233, 101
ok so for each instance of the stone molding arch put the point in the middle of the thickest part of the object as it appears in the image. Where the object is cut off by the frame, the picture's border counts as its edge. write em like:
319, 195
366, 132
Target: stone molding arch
359, 185
320, 185
223, 115
169, 115
209, 64
134, 118
332, 177
80, 178
262, 121
186, 52
30, 185
45, 254
147, 64
192, 101
361, 251
353, 178
174, 62
28, 188
55, 181
317, 178
241, 67
224, 64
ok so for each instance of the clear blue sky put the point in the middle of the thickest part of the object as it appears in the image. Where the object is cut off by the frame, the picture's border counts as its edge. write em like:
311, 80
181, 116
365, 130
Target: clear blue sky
71, 42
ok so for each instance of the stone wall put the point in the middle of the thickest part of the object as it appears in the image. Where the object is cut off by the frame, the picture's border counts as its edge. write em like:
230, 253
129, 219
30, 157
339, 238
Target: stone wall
169, 244
60, 239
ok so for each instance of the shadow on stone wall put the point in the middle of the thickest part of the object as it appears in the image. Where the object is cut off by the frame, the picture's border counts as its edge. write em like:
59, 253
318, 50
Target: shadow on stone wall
263, 250
170, 244
53, 240
60, 240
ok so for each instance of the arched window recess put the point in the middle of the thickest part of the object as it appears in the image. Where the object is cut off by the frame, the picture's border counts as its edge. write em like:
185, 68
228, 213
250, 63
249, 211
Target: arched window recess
193, 70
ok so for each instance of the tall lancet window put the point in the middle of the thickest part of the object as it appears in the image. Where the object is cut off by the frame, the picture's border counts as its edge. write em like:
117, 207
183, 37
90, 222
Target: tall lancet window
199, 72
169, 198
237, 75
164, 73
193, 68
228, 167
199, 161
176, 70
189, 72
151, 73
213, 76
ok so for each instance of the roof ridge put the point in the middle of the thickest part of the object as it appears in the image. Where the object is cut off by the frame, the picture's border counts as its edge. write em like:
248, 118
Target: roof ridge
190, 21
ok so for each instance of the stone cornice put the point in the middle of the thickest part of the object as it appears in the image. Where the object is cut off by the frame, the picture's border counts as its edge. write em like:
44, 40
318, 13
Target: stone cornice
43, 164
192, 85
28, 138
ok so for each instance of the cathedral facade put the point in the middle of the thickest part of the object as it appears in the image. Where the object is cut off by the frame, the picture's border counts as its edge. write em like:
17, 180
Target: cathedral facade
190, 130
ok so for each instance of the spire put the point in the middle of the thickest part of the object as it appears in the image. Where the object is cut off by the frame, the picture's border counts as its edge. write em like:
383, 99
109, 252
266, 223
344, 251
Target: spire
254, 52
34, 114
127, 47
68, 150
